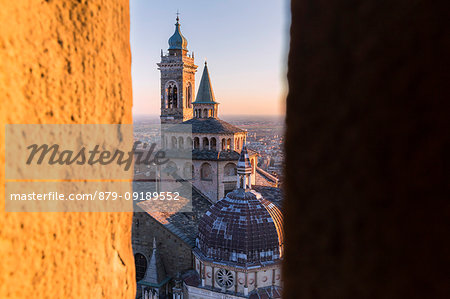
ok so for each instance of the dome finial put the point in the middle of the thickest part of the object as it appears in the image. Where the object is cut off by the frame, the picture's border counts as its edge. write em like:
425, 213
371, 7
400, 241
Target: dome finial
177, 41
178, 19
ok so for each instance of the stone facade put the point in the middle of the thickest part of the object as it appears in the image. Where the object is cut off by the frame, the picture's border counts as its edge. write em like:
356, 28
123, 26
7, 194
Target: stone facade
244, 280
212, 178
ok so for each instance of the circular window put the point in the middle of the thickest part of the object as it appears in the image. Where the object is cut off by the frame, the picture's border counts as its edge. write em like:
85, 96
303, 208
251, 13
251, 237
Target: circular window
224, 278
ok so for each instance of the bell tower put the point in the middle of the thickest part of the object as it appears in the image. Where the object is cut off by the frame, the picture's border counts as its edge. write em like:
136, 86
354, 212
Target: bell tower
177, 80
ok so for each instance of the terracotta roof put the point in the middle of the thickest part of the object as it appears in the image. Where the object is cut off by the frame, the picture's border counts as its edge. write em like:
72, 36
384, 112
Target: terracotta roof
182, 224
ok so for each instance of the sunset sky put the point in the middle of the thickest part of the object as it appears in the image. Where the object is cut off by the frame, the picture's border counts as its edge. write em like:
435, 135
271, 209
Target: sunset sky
244, 42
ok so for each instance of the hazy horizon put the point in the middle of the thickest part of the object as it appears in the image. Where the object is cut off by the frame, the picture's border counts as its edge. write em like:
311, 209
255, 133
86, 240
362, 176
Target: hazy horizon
154, 116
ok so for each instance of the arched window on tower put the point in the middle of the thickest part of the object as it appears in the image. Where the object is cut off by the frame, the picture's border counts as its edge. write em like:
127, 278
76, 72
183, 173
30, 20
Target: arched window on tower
205, 113
169, 97
181, 142
229, 144
189, 95
175, 97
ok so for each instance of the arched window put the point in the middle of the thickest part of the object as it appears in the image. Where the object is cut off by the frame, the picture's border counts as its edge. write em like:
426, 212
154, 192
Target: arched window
140, 263
224, 144
196, 143
206, 172
205, 113
174, 142
230, 169
189, 95
199, 113
213, 144
189, 143
228, 143
205, 143
171, 95
238, 144
175, 96
180, 142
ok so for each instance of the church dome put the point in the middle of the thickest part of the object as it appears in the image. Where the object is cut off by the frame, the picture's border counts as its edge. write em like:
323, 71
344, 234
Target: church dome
177, 41
243, 228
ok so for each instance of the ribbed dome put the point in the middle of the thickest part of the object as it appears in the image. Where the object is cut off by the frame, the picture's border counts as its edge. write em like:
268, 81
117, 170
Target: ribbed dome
177, 41
242, 228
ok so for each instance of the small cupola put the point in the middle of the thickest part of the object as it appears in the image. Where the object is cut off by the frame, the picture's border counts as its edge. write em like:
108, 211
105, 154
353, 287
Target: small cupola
205, 104
244, 170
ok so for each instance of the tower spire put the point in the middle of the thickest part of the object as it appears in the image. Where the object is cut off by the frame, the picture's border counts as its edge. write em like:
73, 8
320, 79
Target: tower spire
205, 104
205, 92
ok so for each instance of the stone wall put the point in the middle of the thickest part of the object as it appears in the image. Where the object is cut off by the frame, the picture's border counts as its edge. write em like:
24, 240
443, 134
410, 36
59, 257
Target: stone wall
366, 213
175, 253
65, 62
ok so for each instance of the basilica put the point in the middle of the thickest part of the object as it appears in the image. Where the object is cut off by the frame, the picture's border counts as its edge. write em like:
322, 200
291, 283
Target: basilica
230, 244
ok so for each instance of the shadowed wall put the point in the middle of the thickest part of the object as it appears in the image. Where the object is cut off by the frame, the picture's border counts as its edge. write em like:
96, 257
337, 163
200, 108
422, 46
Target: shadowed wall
366, 215
65, 62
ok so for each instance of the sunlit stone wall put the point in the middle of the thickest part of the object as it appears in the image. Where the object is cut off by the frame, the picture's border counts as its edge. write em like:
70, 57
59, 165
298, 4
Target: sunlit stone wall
65, 62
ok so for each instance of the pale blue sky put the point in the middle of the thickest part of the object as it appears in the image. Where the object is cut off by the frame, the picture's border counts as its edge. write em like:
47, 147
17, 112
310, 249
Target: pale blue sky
245, 43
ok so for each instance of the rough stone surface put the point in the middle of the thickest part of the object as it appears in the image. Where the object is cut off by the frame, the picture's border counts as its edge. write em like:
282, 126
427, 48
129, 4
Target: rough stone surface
65, 62
366, 214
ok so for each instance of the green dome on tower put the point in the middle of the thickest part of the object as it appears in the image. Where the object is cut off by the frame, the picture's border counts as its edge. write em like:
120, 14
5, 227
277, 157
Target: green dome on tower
177, 41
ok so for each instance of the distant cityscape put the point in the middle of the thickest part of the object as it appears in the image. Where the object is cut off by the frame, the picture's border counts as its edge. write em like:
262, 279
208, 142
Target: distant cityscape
265, 136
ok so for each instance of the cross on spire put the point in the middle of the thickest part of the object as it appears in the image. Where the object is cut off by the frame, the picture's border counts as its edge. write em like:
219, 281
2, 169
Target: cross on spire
178, 14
